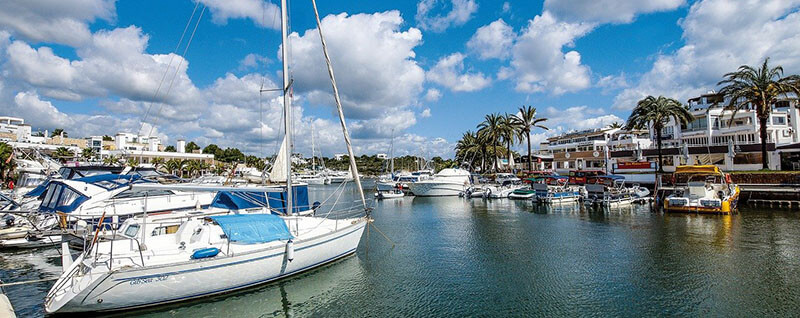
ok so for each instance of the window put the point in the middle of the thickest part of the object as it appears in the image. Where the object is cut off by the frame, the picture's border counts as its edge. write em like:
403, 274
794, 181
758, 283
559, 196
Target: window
778, 120
132, 230
48, 195
67, 197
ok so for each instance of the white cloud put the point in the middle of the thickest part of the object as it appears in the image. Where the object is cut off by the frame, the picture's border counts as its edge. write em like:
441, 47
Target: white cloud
113, 63
493, 40
433, 95
611, 83
253, 61
448, 72
425, 113
38, 113
262, 13
64, 22
607, 11
719, 36
506, 7
538, 63
460, 12
372, 58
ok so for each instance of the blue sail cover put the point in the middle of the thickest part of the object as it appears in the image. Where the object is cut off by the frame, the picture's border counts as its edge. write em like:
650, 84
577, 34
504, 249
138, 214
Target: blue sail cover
239, 200
253, 228
277, 200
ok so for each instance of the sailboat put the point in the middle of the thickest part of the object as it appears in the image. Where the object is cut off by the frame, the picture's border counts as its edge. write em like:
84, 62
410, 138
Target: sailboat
314, 177
207, 255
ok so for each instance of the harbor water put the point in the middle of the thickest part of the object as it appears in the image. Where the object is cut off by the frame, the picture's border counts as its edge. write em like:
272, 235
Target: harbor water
471, 257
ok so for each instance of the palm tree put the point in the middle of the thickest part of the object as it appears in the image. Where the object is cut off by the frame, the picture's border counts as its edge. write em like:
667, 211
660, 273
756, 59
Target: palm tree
173, 165
490, 129
110, 160
658, 111
133, 162
87, 153
760, 88
62, 154
510, 133
157, 162
526, 120
468, 147
615, 125
6, 161
58, 132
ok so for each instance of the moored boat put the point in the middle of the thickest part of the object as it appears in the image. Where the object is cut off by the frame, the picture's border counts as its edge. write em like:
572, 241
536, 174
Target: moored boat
702, 189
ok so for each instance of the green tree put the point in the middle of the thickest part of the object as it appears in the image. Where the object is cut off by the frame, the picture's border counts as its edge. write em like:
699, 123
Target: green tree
191, 147
6, 161
110, 161
108, 138
490, 128
132, 162
87, 153
526, 120
759, 89
63, 154
157, 162
658, 111
615, 125
170, 149
510, 134
212, 149
58, 132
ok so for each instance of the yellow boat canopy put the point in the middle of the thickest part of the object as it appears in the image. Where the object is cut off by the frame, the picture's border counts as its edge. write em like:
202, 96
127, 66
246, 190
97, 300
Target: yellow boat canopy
706, 169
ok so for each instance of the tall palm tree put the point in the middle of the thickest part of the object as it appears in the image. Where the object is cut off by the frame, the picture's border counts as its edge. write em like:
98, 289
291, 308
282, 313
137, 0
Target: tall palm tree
526, 120
658, 112
759, 89
615, 125
110, 160
490, 128
133, 162
510, 133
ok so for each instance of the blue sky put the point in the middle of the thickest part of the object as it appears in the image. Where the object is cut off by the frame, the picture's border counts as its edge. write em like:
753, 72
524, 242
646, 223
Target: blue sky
425, 71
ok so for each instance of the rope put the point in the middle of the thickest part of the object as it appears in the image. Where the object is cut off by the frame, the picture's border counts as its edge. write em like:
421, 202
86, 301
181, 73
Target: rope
353, 167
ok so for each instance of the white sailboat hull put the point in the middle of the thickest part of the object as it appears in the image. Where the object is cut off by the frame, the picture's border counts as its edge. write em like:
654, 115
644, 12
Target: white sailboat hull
125, 288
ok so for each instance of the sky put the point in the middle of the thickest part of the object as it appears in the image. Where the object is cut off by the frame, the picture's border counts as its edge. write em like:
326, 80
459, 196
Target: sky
415, 74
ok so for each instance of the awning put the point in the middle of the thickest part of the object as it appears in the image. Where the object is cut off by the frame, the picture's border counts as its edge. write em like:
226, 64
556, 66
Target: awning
253, 228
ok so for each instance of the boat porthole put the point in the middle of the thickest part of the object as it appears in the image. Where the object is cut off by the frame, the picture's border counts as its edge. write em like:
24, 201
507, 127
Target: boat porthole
100, 301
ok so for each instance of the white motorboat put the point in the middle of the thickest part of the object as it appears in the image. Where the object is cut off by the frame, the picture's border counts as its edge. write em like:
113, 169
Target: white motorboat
316, 179
608, 191
560, 193
448, 182
393, 194
706, 190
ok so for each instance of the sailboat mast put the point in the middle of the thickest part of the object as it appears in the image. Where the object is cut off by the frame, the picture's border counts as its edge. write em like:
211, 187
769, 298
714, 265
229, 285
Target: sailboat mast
287, 104
313, 164
391, 153
353, 167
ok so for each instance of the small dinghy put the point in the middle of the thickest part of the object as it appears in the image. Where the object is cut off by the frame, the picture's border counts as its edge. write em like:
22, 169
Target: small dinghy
393, 194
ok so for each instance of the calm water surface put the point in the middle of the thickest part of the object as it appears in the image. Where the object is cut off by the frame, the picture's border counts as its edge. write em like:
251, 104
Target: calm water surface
458, 257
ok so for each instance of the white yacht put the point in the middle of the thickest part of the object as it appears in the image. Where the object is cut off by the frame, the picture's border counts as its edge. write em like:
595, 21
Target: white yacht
448, 182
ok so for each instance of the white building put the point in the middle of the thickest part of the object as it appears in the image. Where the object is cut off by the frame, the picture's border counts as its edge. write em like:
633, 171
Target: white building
719, 137
584, 149
382, 156
15, 129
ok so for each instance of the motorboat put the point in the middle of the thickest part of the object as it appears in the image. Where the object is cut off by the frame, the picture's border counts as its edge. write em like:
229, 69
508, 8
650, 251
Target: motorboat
560, 192
313, 178
505, 184
392, 194
702, 189
608, 191
448, 182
